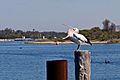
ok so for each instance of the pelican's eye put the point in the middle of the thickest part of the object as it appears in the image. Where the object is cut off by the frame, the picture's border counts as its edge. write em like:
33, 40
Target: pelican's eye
74, 29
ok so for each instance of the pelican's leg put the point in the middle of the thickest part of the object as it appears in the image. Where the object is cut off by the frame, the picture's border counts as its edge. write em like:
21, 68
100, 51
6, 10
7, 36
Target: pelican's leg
78, 46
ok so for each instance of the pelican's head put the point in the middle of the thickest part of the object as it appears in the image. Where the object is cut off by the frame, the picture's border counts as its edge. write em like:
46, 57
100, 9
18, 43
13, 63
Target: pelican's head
76, 30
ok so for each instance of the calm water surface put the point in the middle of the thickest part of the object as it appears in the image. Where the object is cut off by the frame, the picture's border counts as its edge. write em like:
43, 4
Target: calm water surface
28, 61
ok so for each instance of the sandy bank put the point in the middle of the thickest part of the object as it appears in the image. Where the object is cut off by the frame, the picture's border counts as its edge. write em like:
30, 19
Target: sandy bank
48, 42
66, 42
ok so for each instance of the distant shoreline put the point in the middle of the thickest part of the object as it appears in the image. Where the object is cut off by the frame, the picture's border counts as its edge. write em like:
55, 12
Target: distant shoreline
4, 40
48, 42
61, 42
66, 42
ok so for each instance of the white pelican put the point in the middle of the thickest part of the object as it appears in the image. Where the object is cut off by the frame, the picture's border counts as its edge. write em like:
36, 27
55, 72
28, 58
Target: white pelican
74, 36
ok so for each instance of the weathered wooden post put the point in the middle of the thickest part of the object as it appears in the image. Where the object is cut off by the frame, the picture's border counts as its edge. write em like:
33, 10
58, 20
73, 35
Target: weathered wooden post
57, 70
82, 65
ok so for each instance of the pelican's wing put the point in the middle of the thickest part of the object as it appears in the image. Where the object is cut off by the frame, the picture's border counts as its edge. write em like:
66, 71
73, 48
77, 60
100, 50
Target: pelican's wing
80, 37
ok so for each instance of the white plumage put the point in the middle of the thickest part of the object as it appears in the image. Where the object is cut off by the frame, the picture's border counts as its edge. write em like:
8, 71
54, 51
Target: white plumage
74, 36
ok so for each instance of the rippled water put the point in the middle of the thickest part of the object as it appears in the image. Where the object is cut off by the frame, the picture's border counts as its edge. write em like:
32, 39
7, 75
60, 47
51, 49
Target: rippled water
28, 61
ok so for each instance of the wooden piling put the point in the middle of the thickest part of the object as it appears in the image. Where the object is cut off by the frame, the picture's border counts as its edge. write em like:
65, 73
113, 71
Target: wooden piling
57, 70
82, 65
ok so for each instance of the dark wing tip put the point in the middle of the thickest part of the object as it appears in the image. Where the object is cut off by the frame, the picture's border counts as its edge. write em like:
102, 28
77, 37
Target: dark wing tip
88, 41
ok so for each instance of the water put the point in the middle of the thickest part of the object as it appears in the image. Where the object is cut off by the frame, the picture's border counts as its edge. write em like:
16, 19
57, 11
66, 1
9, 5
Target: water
28, 61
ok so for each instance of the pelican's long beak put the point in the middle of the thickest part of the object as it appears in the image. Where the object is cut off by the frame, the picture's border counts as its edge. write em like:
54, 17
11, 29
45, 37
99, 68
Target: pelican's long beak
66, 37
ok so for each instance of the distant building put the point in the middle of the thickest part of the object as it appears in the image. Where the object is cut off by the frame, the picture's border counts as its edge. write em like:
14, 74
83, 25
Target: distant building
23, 37
43, 37
117, 28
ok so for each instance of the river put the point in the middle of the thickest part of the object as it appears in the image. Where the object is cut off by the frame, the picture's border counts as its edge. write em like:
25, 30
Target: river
28, 61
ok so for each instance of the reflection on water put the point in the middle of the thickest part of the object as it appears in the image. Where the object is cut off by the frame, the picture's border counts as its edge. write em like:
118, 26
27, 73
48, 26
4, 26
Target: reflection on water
28, 61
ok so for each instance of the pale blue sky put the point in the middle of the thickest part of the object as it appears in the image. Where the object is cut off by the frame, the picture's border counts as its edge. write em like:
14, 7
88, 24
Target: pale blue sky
49, 15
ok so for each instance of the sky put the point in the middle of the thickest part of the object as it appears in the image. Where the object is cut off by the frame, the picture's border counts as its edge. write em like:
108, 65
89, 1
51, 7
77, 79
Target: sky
49, 15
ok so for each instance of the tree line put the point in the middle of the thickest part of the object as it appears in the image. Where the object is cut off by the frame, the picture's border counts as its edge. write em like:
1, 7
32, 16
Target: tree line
94, 33
9, 33
100, 34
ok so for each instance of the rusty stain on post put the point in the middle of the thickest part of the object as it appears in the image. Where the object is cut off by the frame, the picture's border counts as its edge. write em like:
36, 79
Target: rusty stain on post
57, 70
82, 65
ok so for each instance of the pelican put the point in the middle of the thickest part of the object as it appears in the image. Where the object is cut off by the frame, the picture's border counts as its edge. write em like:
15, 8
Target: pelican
74, 36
